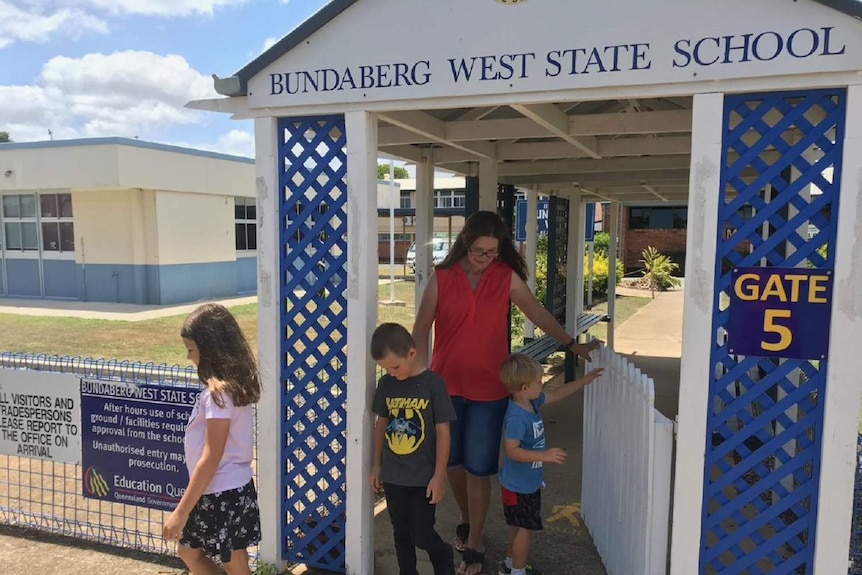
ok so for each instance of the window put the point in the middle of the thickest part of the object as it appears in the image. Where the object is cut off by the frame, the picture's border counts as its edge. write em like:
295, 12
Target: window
449, 198
19, 222
245, 215
406, 200
663, 218
58, 233
398, 237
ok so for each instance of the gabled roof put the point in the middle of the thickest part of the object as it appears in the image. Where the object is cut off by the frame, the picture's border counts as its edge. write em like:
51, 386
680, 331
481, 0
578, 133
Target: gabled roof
849, 7
237, 84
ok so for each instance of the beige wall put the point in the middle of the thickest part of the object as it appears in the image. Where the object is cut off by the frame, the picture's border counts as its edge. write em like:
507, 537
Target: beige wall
164, 170
66, 167
195, 228
115, 227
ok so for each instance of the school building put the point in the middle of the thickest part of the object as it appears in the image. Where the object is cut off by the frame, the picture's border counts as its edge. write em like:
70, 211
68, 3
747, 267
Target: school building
122, 220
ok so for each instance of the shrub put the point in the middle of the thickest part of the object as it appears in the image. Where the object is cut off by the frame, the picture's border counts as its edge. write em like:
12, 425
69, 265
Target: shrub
601, 243
658, 272
601, 267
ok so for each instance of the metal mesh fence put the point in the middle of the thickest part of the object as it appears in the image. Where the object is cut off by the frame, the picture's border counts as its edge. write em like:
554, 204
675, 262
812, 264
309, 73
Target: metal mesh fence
47, 495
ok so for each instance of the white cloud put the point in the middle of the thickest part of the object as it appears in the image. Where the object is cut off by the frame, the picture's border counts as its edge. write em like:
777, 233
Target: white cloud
269, 43
33, 24
121, 94
285, 2
235, 142
160, 7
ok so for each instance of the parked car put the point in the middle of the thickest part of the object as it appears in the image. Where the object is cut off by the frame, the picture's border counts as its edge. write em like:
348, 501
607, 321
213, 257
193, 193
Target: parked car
439, 251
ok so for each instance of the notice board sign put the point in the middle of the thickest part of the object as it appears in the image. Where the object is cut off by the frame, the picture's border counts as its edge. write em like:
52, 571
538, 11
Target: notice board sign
40, 415
780, 312
132, 438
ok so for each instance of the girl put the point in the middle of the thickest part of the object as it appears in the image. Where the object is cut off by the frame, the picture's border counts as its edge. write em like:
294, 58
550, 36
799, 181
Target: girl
218, 514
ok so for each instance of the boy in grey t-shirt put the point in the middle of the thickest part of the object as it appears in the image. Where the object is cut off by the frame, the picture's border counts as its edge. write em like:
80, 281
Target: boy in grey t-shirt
411, 447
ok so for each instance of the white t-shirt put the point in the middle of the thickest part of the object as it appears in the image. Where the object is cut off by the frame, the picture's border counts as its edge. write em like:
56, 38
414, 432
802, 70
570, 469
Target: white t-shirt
234, 469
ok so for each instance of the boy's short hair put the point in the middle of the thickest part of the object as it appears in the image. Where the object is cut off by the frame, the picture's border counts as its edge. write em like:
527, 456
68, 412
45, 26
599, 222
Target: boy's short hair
519, 370
391, 338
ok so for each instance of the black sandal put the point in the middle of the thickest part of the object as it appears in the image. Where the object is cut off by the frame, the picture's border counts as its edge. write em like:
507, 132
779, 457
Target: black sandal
471, 558
462, 532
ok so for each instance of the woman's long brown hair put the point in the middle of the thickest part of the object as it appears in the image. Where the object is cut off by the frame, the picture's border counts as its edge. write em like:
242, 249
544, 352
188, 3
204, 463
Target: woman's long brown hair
486, 224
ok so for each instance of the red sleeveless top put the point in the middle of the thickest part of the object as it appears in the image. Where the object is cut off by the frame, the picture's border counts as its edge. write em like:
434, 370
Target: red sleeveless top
471, 331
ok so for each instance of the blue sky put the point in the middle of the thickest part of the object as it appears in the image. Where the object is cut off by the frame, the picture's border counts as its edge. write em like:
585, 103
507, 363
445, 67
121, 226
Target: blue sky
89, 68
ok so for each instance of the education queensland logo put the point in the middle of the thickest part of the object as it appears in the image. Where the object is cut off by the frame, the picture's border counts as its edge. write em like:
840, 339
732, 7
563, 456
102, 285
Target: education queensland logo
94, 483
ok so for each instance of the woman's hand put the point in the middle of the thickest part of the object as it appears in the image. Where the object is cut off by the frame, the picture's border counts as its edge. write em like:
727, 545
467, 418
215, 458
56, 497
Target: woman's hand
585, 349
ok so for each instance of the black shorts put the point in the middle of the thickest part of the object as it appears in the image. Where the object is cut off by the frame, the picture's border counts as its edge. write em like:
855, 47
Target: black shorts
523, 510
224, 522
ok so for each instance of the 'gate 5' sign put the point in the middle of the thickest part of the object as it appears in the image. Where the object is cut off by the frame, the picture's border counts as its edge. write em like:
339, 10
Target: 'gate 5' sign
777, 312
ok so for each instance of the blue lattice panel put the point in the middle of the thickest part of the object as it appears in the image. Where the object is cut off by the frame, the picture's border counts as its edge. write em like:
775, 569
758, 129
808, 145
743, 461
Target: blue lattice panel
313, 271
778, 207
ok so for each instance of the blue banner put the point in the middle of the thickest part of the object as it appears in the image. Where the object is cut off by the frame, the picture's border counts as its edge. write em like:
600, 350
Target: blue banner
521, 220
132, 442
780, 312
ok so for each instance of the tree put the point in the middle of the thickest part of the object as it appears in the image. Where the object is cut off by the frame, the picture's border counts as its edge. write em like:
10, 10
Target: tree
4, 137
383, 172
658, 270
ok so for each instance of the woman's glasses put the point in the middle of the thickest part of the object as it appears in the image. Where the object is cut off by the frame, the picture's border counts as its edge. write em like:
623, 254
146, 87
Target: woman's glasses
477, 253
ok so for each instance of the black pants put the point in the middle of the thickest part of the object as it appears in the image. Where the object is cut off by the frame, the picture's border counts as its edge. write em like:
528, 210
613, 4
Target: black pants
413, 525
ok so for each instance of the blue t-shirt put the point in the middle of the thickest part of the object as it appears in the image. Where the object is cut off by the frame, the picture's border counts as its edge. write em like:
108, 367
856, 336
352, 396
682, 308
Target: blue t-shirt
527, 427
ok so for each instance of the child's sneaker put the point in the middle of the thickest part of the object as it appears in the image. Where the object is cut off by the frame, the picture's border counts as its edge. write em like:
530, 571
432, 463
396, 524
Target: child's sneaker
503, 570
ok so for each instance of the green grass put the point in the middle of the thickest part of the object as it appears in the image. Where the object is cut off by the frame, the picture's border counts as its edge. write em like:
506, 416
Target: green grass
158, 340
625, 308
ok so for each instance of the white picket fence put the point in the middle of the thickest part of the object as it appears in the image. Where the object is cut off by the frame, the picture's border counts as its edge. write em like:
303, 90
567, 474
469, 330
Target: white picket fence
627, 469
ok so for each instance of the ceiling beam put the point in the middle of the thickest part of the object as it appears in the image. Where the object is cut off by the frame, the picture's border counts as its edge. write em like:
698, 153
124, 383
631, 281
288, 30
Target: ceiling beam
638, 146
434, 130
555, 120
582, 125
651, 190
588, 166
605, 181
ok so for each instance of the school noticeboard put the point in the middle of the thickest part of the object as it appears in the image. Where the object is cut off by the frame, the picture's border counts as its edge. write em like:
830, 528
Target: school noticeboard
40, 415
780, 312
132, 442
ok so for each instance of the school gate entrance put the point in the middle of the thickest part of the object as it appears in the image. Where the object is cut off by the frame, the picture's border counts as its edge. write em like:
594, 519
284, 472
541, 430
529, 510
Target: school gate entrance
750, 112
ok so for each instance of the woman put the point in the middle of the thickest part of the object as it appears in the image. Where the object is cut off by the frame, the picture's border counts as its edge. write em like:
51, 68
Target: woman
468, 300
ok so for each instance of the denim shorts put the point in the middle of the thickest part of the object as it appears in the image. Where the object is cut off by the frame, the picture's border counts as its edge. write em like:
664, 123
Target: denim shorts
476, 435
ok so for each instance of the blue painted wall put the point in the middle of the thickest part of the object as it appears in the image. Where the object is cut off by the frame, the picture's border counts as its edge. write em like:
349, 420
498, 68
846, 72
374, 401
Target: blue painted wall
246, 275
22, 278
152, 285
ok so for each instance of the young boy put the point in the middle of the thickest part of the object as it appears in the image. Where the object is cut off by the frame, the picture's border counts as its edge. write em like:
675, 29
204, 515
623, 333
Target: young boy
522, 476
411, 447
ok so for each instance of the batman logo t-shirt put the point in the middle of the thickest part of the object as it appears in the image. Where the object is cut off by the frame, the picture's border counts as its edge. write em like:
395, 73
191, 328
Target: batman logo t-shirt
412, 408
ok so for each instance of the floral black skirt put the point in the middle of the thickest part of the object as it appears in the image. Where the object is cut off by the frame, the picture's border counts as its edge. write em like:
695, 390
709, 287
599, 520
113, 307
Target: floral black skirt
223, 522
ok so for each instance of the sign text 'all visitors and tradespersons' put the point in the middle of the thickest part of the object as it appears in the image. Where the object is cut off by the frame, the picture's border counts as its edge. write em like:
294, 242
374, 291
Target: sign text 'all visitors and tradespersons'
40, 414
686, 53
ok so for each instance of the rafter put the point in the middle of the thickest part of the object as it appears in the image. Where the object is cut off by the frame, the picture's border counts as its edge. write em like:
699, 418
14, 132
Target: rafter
652, 190
555, 120
434, 130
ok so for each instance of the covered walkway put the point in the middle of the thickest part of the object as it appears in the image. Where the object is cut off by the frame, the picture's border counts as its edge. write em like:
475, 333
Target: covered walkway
652, 339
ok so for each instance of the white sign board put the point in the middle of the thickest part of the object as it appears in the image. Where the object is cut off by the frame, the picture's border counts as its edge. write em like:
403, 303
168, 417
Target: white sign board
40, 415
452, 48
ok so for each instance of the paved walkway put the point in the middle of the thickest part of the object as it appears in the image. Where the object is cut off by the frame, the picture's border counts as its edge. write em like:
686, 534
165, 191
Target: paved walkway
651, 338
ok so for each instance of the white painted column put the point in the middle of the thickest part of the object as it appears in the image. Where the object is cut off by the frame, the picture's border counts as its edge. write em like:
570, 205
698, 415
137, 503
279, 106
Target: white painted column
270, 465
361, 320
532, 233
843, 385
695, 366
612, 271
575, 262
424, 221
488, 185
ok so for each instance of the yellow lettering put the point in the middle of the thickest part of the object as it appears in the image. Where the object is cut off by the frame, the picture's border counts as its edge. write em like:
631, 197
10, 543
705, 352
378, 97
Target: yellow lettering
814, 288
795, 280
747, 292
785, 336
394, 403
774, 287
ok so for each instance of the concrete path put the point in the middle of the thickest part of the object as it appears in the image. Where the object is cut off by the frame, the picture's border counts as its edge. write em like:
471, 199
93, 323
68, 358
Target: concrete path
651, 338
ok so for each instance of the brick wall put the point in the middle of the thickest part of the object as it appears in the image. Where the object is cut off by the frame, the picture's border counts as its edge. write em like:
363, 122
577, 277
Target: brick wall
668, 242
